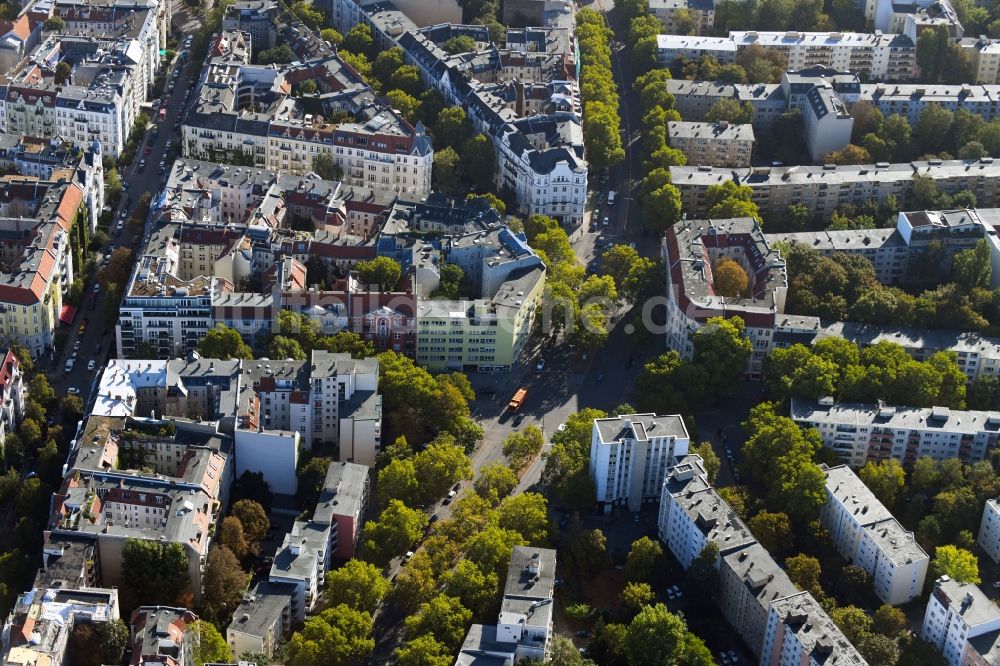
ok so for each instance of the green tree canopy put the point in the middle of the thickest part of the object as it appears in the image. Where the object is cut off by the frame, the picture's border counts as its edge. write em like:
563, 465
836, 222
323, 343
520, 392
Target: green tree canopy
224, 343
337, 635
358, 585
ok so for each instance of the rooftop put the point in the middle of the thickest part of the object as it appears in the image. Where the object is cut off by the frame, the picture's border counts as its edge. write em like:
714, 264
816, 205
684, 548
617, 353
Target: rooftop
640, 427
261, 608
903, 418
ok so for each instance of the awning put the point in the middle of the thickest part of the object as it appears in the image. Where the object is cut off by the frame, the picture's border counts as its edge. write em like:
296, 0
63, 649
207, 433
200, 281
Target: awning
67, 314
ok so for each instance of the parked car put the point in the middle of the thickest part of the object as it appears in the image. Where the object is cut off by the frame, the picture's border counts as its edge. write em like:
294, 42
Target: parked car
91, 365
540, 365
69, 365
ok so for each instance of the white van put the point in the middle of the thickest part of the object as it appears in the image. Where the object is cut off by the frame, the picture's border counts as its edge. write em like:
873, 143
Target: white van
69, 365
611, 198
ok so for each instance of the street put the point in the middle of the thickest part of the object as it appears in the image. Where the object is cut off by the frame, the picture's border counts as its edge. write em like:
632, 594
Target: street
97, 340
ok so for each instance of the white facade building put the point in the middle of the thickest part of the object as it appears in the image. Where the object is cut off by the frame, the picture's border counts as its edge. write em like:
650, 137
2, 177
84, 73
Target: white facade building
865, 533
957, 613
989, 530
630, 454
800, 633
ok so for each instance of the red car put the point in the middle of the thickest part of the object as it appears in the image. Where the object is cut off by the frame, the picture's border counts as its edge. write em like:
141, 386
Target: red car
147, 150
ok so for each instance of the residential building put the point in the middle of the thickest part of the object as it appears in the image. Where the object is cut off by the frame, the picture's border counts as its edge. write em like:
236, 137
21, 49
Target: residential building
878, 56
17, 38
691, 249
988, 536
827, 122
342, 502
262, 620
960, 621
910, 100
38, 217
692, 514
160, 636
910, 17
754, 593
822, 189
866, 534
254, 111
984, 56
11, 394
38, 628
524, 625
258, 18
800, 632
890, 251
749, 580
718, 143
860, 433
702, 13
630, 455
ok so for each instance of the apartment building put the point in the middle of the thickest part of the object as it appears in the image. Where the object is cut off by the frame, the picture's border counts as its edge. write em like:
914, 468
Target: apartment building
17, 38
539, 147
11, 394
524, 624
342, 502
978, 356
38, 217
255, 111
891, 250
910, 100
800, 632
754, 593
630, 455
692, 514
988, 536
702, 13
160, 636
865, 533
262, 620
962, 623
859, 432
821, 189
38, 629
984, 55
256, 18
691, 249
911, 17
886, 57
718, 143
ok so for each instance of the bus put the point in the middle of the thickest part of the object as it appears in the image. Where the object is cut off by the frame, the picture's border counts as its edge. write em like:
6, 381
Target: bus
518, 400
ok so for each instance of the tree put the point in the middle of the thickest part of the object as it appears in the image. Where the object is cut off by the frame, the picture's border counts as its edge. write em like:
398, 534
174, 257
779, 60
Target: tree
331, 36
63, 72
889, 621
730, 111
280, 54
40, 390
114, 636
452, 128
636, 595
381, 271
224, 343
285, 348
655, 636
253, 518
424, 650
853, 621
139, 558
438, 467
525, 514
54, 24
337, 635
209, 645
661, 208
710, 461
392, 534
406, 104
358, 40
957, 563
475, 589
849, 154
730, 200
311, 475
324, 167
878, 649
885, 479
643, 561
522, 447
387, 62
231, 536
478, 162
589, 552
459, 44
443, 617
804, 571
773, 530
224, 582
564, 653
358, 585
71, 409
971, 268
730, 279
723, 350
398, 480
407, 79
494, 482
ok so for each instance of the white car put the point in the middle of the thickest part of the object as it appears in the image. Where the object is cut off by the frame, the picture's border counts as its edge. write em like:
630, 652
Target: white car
91, 364
562, 427
72, 390
540, 365
69, 365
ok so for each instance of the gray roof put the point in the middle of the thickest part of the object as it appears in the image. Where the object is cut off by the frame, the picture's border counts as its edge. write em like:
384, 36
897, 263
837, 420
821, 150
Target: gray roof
761, 575
715, 519
479, 643
816, 632
522, 582
343, 491
640, 427
928, 340
261, 608
941, 419
861, 503
967, 600
713, 131
845, 240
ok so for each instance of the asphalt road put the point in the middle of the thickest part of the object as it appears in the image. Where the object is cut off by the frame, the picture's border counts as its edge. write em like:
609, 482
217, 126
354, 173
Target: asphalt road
97, 340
